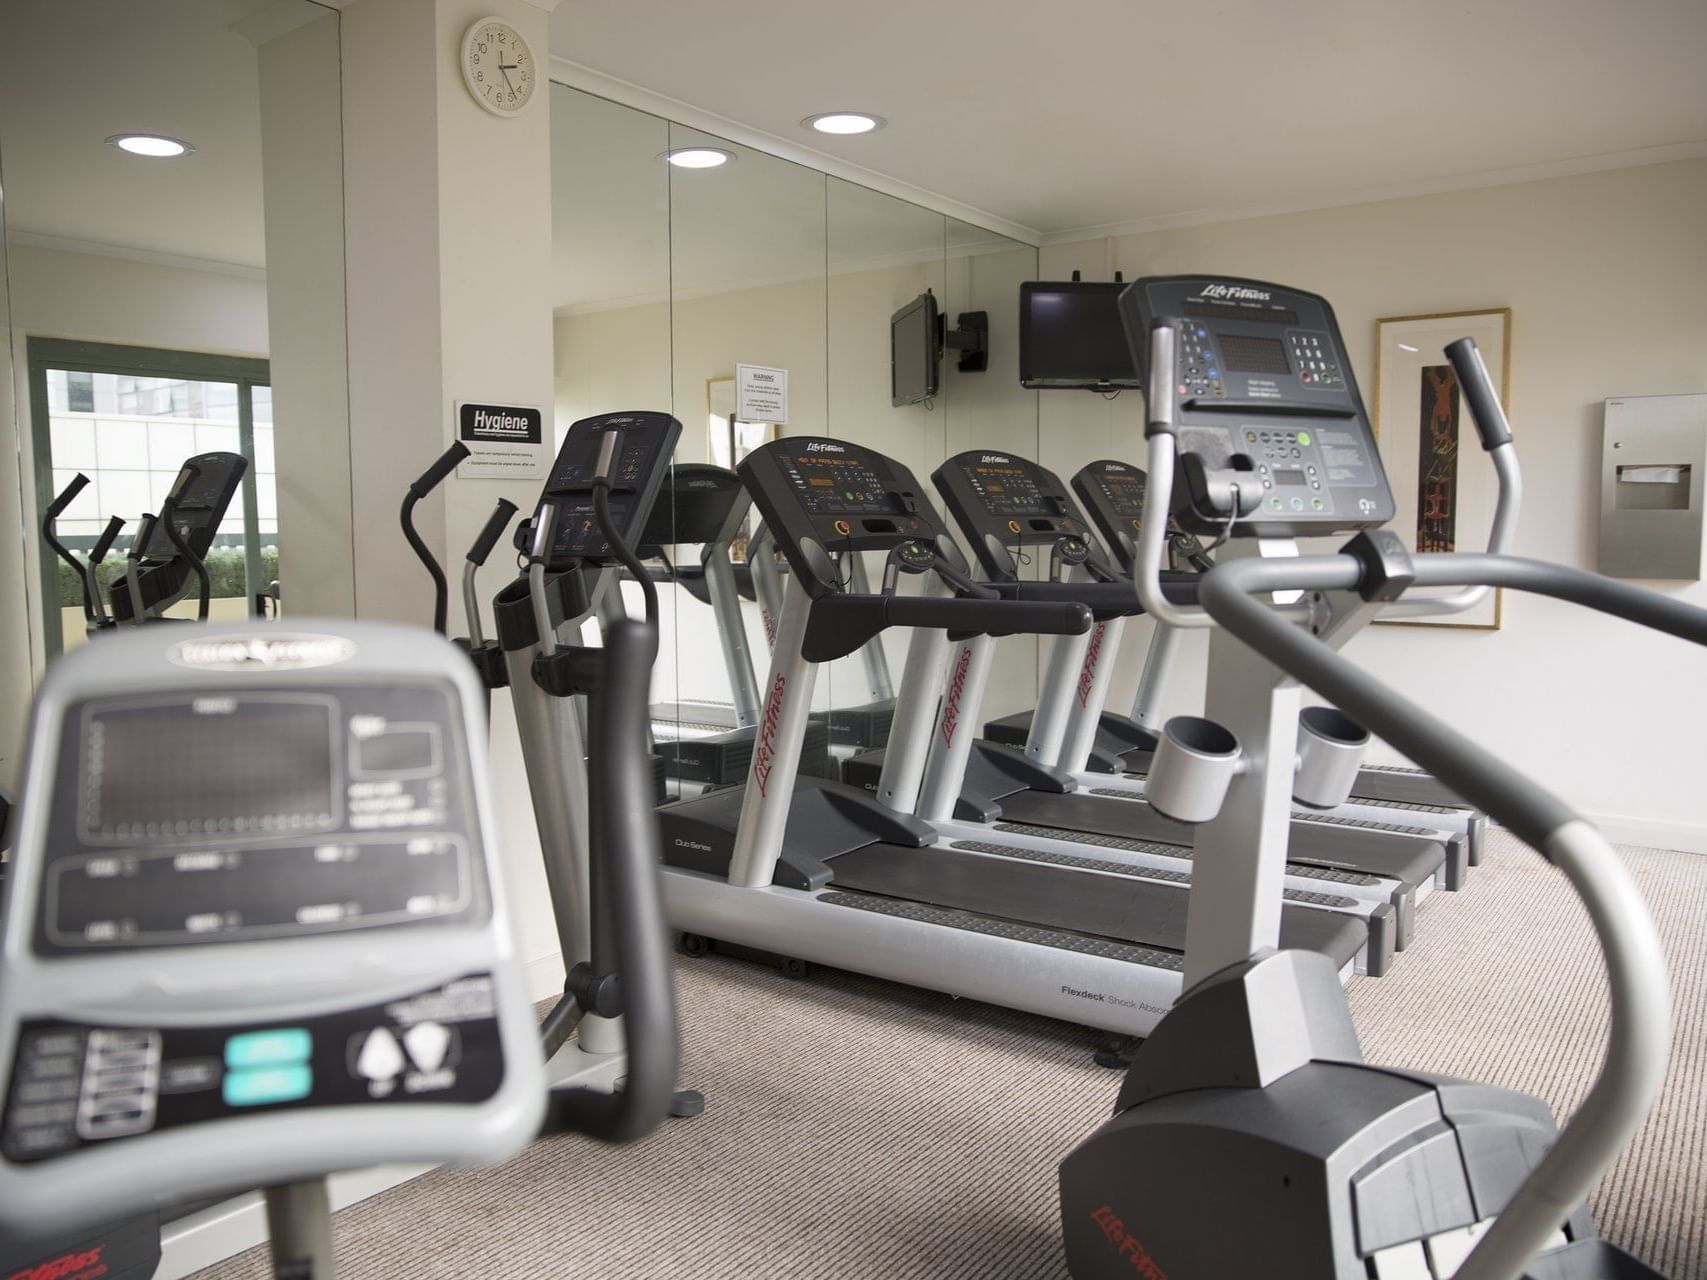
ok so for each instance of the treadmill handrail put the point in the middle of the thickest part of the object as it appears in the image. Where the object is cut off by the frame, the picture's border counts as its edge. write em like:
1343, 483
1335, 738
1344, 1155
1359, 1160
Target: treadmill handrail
1639, 1035
841, 624
1107, 599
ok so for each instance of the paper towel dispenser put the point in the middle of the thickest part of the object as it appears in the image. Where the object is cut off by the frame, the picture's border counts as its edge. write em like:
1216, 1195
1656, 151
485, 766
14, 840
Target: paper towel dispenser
1653, 456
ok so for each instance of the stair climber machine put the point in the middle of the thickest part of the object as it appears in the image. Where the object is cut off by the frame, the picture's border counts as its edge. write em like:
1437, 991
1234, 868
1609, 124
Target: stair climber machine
808, 869
96, 619
1251, 1097
1113, 495
705, 744
854, 727
170, 550
596, 499
258, 935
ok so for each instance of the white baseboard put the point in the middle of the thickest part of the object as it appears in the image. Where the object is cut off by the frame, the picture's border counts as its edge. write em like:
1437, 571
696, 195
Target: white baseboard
544, 976
1622, 829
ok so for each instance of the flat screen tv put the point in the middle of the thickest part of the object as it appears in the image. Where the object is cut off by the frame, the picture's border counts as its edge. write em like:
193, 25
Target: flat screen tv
1070, 335
915, 351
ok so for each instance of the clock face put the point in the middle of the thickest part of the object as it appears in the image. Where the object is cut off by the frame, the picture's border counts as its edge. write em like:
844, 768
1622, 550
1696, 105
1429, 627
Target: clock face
498, 67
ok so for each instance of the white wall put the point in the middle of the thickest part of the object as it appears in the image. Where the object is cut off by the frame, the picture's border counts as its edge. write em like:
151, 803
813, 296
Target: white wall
97, 298
1606, 276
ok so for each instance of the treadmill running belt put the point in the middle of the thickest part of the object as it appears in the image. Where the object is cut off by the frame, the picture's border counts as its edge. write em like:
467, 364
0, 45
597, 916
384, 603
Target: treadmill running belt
1407, 859
1118, 907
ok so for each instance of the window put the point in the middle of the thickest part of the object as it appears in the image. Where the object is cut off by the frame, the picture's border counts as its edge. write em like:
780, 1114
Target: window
128, 418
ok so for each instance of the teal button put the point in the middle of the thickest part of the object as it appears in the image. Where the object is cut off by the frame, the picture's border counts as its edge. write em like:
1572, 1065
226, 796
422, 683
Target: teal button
280, 1046
270, 1084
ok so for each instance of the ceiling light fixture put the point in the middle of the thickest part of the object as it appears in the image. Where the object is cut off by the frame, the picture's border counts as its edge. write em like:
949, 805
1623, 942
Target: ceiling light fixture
149, 144
843, 122
698, 157
1405, 346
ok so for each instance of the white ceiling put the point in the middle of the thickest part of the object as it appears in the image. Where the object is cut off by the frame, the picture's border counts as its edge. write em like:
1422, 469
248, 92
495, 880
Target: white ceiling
1080, 115
73, 72
1091, 113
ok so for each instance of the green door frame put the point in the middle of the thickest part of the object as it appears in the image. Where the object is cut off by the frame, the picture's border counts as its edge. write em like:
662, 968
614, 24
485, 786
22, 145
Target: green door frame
43, 354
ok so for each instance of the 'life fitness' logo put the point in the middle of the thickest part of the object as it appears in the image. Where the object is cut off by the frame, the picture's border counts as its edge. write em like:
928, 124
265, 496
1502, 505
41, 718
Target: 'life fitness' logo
956, 688
764, 754
1088, 672
85, 1265
770, 626
823, 446
261, 653
1239, 292
1127, 1245
998, 458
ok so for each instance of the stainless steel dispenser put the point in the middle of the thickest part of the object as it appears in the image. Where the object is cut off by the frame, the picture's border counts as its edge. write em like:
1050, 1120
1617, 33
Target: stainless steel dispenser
1653, 458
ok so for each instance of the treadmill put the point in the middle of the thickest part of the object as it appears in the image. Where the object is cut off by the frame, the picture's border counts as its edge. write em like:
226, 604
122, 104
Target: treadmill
1113, 496
855, 727
1003, 502
708, 744
811, 870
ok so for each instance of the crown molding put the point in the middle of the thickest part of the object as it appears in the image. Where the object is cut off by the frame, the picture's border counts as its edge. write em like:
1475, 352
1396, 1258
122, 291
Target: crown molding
1567, 168
576, 76
22, 237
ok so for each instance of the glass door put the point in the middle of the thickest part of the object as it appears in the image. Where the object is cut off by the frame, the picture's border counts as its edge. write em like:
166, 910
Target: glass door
128, 418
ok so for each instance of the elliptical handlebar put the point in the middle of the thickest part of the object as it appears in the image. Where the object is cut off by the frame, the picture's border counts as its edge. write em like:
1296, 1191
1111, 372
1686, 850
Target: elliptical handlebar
424, 484
133, 568
50, 535
628, 901
1639, 1038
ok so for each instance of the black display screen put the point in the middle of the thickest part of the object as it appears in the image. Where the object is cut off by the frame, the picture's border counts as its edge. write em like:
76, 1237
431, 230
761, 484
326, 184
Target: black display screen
1007, 491
1125, 493
209, 766
830, 485
1071, 336
1241, 353
1289, 477
914, 356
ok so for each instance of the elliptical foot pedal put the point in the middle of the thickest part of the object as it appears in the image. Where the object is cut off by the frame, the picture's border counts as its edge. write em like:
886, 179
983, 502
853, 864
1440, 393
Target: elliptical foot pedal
687, 1104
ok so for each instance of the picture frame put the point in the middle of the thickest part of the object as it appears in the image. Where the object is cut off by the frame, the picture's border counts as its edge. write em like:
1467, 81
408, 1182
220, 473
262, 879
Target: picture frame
1443, 488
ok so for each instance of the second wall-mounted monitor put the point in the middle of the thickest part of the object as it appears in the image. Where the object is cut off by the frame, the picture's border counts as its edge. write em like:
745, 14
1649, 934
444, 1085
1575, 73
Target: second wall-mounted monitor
915, 351
1070, 336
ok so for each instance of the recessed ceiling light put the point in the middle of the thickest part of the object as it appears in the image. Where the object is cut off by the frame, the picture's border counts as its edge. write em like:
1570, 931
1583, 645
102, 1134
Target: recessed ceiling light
698, 157
1405, 346
149, 144
843, 122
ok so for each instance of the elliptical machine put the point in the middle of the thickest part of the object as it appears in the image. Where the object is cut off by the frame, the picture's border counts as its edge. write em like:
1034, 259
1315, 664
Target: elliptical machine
1250, 1099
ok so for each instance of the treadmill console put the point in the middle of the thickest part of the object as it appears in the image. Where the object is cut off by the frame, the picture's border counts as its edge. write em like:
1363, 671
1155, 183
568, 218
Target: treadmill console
648, 439
1263, 386
1000, 501
216, 831
826, 497
698, 502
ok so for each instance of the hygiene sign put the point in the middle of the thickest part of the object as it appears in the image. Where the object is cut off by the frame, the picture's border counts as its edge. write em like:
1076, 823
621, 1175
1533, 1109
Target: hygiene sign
505, 441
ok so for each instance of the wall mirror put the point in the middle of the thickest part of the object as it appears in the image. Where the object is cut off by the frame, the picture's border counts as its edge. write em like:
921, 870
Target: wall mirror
138, 282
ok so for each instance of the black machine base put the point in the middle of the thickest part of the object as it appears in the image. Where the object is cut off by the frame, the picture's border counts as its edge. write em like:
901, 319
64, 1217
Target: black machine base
859, 727
1332, 1162
722, 759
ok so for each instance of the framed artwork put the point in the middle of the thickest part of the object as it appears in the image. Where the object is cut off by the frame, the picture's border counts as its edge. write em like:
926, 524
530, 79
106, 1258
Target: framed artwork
730, 439
1443, 486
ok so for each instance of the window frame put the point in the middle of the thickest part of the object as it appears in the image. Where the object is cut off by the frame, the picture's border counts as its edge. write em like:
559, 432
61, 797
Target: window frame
73, 356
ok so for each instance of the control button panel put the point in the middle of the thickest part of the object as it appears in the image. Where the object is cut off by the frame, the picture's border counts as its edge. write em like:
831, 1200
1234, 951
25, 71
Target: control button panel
1289, 462
1314, 357
1001, 502
1199, 368
75, 1086
636, 474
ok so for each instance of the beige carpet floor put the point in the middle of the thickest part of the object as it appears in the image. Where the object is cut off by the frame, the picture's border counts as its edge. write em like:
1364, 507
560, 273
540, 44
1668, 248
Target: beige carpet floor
858, 1129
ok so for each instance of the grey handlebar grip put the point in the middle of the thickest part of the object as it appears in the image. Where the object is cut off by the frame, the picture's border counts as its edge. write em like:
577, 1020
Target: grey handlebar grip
1479, 393
495, 525
544, 531
434, 475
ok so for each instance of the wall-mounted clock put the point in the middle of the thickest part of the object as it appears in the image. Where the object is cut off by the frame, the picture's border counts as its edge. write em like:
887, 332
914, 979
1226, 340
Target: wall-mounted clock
498, 67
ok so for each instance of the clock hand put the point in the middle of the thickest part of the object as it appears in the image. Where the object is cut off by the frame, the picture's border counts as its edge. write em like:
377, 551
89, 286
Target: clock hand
507, 79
